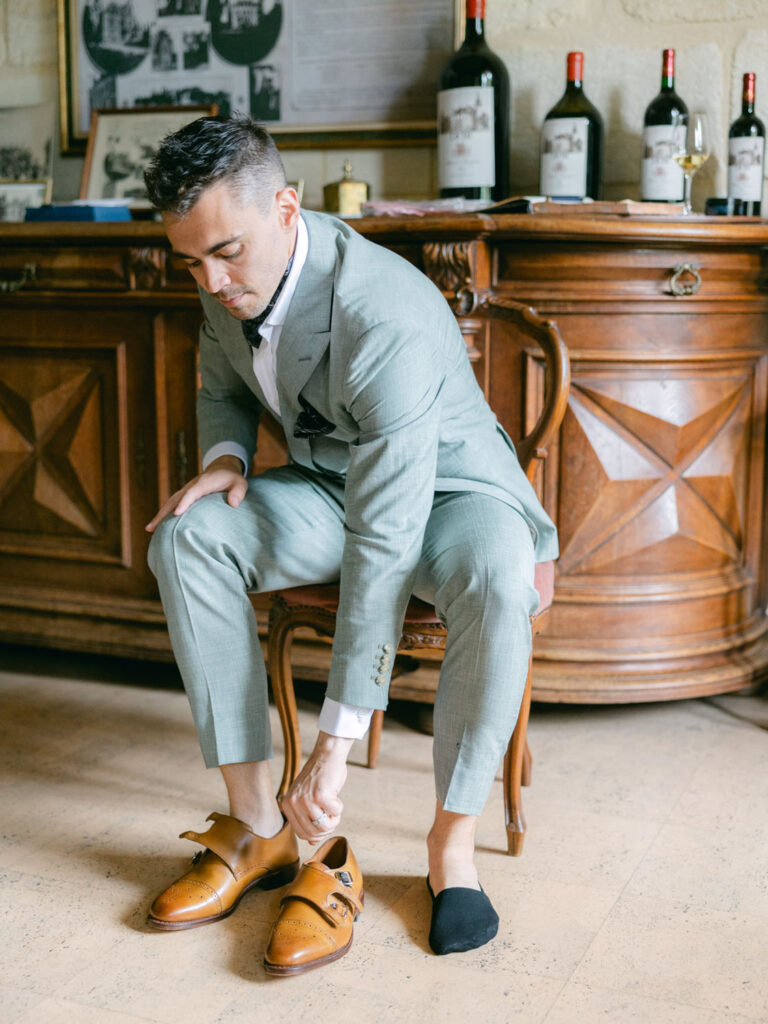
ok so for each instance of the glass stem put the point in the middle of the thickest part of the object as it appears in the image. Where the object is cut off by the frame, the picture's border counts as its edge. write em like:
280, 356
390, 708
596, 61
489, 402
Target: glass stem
687, 207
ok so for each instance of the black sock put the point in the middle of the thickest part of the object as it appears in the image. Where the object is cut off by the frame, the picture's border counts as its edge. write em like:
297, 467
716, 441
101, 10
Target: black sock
462, 919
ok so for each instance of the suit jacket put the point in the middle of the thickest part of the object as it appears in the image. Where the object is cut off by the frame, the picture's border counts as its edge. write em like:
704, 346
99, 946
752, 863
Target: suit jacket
370, 344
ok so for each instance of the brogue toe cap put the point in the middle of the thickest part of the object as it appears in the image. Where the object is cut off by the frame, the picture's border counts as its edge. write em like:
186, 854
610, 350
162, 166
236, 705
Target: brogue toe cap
295, 942
186, 900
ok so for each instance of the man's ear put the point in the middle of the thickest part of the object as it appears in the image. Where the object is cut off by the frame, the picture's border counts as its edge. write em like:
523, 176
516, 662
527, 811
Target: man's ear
288, 206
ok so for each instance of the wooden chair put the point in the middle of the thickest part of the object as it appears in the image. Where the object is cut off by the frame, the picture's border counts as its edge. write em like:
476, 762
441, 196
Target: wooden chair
315, 607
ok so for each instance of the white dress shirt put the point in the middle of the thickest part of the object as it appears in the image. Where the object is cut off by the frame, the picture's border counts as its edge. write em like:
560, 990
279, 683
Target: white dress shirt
336, 719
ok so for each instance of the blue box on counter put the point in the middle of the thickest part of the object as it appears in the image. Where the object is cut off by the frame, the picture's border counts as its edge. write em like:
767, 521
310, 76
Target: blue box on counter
78, 211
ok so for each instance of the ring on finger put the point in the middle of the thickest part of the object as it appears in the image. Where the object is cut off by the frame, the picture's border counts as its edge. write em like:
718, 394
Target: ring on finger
316, 821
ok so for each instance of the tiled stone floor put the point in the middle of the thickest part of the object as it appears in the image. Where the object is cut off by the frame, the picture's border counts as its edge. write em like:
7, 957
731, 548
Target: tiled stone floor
642, 894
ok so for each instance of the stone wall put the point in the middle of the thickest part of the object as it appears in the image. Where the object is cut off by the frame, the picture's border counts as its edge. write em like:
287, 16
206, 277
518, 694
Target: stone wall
716, 40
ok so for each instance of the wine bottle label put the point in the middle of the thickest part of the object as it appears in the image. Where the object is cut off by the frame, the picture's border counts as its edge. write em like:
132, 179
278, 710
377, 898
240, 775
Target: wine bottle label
661, 177
745, 168
564, 157
465, 146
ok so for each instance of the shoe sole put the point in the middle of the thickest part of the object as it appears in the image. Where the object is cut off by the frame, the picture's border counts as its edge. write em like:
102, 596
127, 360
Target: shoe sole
281, 971
272, 880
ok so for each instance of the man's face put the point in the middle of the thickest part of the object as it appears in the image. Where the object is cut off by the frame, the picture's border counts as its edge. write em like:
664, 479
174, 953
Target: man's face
235, 252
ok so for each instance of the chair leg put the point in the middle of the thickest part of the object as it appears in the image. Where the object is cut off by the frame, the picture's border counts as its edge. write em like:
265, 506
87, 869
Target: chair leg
527, 766
281, 675
374, 737
513, 772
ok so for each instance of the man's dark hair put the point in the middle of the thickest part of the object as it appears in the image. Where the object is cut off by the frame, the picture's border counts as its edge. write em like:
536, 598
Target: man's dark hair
209, 151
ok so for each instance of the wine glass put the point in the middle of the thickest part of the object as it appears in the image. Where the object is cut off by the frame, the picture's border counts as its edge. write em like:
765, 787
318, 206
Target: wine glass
693, 148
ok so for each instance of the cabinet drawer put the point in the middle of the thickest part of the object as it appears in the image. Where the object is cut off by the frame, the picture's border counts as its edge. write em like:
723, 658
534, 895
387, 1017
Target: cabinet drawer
91, 268
595, 273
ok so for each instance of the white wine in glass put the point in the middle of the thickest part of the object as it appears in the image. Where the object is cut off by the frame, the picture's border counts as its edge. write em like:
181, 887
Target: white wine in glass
693, 152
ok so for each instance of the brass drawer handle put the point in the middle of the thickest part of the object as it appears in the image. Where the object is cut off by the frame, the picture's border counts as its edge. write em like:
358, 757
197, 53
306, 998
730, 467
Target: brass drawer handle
28, 274
679, 287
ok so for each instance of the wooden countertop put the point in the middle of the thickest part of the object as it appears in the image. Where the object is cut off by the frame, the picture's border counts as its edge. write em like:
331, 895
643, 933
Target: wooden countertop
616, 229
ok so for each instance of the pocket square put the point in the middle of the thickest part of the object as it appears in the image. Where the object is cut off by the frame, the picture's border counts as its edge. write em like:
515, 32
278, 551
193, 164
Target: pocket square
310, 422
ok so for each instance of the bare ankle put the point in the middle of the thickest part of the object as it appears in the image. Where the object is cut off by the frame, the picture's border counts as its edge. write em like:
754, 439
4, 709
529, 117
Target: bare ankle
451, 850
251, 797
264, 821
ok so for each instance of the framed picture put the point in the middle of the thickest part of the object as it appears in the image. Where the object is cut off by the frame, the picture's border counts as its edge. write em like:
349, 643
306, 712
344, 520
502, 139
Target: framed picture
120, 145
16, 196
26, 142
315, 74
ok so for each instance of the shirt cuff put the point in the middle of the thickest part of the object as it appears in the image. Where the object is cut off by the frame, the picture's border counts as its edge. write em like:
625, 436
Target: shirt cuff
226, 448
344, 720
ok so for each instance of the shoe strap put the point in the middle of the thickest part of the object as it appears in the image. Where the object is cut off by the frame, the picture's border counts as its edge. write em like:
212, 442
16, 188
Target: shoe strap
319, 889
325, 912
229, 838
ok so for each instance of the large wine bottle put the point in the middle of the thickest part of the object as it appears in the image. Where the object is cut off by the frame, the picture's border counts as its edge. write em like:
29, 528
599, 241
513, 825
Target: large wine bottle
473, 117
662, 179
746, 155
572, 142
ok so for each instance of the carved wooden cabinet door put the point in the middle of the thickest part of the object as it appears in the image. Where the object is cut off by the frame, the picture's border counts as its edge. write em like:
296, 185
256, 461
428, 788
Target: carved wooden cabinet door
78, 462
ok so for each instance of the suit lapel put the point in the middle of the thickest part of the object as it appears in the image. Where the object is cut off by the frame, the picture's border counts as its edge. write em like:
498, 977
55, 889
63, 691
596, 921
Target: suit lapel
306, 333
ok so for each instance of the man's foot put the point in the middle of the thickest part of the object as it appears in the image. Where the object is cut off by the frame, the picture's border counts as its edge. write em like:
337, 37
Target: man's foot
462, 919
317, 913
235, 860
462, 915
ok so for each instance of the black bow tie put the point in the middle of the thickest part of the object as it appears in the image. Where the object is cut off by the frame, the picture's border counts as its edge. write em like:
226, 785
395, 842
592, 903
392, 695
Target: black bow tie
251, 327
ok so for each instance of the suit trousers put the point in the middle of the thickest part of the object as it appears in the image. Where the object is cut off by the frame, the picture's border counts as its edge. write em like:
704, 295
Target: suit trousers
476, 568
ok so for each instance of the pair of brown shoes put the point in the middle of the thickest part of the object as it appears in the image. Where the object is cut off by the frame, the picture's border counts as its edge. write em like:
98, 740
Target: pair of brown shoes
317, 912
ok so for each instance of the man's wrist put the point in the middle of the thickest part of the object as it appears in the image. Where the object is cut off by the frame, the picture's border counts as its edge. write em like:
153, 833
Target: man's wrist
228, 462
328, 746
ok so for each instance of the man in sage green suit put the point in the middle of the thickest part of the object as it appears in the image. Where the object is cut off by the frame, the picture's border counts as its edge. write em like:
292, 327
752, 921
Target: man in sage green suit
401, 481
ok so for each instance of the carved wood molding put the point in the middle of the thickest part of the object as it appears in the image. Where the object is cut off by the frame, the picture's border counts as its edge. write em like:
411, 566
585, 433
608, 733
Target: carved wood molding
449, 266
145, 269
664, 474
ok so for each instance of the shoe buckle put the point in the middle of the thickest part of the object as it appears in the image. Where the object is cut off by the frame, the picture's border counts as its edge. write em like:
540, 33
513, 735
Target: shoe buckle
345, 878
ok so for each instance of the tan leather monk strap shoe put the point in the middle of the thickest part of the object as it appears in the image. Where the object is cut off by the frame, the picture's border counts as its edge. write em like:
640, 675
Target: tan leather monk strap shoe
317, 912
235, 860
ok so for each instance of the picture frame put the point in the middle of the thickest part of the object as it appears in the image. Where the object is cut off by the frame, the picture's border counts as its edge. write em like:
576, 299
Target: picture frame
315, 76
121, 144
26, 142
17, 196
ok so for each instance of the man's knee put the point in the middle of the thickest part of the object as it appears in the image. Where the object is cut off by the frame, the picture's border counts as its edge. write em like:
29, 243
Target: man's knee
493, 579
188, 531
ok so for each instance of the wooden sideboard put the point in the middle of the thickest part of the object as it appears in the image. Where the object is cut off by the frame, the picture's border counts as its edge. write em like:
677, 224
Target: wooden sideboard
657, 483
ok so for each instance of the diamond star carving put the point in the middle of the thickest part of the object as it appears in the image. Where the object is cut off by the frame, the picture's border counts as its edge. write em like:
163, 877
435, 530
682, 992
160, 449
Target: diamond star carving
657, 474
51, 448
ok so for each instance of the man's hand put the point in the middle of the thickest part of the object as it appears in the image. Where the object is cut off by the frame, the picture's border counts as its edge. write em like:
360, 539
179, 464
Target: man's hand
315, 793
223, 474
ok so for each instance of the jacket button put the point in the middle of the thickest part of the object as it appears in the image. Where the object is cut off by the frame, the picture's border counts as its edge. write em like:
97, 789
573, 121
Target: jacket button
380, 680
387, 648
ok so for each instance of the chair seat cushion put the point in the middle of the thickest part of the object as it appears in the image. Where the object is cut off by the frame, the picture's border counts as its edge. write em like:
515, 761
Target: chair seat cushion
326, 596
320, 595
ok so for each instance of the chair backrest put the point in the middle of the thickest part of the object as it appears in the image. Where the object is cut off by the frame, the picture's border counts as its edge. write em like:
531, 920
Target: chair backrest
535, 445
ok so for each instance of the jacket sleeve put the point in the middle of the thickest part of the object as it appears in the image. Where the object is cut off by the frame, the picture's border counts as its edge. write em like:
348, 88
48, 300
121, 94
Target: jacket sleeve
227, 410
393, 388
